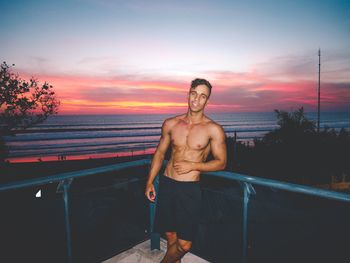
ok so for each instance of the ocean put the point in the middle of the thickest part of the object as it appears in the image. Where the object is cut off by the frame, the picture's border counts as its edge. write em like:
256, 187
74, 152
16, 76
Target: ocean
68, 137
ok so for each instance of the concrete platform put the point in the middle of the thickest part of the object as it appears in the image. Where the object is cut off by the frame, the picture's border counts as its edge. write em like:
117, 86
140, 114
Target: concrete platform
143, 254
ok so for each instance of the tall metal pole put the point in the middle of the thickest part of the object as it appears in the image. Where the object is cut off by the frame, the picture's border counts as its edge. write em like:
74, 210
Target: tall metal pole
319, 90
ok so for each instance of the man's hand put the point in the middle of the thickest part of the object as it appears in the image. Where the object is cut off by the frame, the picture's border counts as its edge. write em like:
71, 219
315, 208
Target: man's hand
183, 167
150, 192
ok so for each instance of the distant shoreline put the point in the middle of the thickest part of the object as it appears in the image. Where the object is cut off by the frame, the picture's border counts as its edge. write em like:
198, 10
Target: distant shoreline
82, 157
28, 170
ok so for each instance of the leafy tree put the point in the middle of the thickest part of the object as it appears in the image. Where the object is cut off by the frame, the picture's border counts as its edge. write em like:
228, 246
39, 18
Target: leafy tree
296, 152
292, 125
23, 104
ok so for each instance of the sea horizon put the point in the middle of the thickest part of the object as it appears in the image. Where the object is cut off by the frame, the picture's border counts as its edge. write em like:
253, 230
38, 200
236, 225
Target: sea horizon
84, 136
206, 112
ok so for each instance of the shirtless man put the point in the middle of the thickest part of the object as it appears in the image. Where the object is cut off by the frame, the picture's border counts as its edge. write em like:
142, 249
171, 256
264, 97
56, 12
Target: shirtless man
192, 136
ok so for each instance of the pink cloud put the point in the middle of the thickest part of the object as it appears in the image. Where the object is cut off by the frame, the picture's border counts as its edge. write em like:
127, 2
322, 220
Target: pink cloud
232, 91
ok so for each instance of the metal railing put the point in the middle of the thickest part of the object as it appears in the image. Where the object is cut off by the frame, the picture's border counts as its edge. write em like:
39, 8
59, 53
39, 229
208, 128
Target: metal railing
248, 190
247, 182
65, 180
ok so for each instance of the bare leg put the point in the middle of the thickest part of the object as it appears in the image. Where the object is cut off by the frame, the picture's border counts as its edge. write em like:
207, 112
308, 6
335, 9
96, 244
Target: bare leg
176, 251
172, 239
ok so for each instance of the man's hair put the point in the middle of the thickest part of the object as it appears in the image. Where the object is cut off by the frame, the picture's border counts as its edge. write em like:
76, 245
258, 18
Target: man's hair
197, 82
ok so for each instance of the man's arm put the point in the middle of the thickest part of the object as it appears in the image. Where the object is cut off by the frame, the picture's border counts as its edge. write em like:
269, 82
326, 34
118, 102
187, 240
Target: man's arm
157, 160
218, 149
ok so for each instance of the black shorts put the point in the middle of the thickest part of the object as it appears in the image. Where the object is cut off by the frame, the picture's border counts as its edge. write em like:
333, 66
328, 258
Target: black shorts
178, 207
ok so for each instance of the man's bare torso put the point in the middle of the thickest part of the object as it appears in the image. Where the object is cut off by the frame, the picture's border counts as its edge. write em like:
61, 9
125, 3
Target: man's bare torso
189, 142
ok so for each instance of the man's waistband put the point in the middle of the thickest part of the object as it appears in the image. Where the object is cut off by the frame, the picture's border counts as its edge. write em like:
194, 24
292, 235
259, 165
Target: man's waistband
169, 179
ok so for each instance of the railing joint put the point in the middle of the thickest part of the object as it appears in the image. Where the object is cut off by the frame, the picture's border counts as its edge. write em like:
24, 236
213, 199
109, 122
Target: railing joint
250, 188
64, 184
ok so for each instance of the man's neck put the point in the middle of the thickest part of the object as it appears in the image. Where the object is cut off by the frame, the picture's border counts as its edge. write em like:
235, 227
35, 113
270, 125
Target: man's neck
194, 117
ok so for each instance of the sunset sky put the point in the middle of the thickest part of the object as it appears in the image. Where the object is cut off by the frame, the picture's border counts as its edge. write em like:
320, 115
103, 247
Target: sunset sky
131, 56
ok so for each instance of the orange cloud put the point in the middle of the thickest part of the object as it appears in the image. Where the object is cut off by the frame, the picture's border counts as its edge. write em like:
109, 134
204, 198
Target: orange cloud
232, 91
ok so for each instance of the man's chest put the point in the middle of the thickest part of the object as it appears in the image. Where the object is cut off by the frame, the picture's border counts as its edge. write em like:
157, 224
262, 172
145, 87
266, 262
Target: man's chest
195, 137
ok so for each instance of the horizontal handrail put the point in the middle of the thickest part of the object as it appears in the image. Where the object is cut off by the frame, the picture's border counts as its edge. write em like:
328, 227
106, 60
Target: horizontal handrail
291, 187
72, 175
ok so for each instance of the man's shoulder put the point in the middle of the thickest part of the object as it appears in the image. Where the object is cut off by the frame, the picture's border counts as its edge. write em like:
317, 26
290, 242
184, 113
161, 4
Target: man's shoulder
172, 119
212, 124
214, 127
170, 122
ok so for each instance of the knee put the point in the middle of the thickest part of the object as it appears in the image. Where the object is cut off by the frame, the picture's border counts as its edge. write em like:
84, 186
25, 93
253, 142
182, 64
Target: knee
171, 235
183, 245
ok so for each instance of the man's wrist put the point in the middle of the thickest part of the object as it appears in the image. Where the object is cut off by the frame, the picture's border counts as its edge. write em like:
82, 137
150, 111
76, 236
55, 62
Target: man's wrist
148, 183
195, 166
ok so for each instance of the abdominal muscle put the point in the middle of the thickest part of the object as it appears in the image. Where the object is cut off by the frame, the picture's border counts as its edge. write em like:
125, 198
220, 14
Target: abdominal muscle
185, 155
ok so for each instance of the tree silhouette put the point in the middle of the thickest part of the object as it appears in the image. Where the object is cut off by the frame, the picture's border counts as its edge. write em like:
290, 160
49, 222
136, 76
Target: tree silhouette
292, 126
23, 104
296, 152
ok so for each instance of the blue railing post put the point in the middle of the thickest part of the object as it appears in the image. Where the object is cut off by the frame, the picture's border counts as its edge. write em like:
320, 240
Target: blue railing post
155, 237
64, 187
247, 191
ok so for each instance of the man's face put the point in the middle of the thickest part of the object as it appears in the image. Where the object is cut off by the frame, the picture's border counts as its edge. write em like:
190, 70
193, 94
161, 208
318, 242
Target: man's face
198, 98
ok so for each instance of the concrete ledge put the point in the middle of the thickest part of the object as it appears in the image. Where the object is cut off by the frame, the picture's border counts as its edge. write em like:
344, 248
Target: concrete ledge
142, 253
